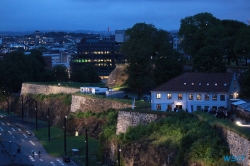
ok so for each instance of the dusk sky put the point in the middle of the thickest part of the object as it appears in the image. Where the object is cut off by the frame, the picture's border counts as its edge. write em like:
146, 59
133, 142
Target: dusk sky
98, 15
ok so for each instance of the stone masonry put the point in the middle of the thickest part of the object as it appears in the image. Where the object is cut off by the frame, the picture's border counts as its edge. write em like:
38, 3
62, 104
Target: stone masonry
44, 89
126, 119
84, 103
238, 146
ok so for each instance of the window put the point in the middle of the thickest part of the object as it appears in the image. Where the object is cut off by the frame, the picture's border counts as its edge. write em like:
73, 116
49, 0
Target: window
206, 108
191, 97
198, 108
179, 96
214, 97
207, 97
222, 97
158, 107
169, 96
198, 96
158, 95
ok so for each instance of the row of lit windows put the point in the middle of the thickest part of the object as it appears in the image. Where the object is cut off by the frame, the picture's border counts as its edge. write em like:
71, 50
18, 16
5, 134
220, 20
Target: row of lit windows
92, 60
191, 96
96, 52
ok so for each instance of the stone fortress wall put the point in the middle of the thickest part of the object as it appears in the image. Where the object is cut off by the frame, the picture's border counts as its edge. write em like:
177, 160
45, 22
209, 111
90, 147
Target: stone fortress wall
238, 145
45, 89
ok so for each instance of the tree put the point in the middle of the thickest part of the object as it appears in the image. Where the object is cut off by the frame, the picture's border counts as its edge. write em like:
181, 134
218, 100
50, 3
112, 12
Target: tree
15, 70
61, 73
196, 32
242, 45
87, 74
245, 86
209, 59
144, 41
91, 74
228, 40
167, 64
78, 75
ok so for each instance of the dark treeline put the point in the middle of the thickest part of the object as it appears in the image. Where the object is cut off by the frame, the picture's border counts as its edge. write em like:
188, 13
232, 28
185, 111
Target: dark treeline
16, 68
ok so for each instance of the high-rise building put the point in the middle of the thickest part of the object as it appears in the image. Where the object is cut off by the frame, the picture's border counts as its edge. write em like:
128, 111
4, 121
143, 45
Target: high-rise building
102, 53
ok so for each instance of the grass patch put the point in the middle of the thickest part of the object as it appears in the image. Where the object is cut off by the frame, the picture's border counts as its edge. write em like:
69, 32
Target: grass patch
56, 145
224, 123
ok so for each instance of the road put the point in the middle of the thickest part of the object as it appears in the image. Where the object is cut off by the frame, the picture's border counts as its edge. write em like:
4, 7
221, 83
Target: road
14, 135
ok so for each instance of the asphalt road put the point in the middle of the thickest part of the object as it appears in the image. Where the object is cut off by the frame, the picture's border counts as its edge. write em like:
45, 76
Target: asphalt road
14, 135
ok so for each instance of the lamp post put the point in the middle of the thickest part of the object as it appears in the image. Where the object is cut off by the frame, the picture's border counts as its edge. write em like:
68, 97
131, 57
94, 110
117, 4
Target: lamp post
48, 116
87, 148
22, 108
10, 146
119, 157
36, 115
8, 105
65, 149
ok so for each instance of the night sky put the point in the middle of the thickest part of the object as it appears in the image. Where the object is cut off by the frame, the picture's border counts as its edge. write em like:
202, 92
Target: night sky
98, 15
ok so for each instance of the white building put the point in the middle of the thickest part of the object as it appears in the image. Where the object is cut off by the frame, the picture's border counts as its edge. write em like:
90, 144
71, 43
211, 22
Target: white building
196, 91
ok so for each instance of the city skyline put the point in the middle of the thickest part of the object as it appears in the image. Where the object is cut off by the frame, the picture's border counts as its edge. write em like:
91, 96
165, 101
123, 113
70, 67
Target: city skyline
72, 15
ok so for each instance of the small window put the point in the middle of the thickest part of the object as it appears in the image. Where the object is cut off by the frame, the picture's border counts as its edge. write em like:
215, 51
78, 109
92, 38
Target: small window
198, 96
207, 97
158, 107
179, 96
191, 97
169, 96
222, 97
198, 108
158, 95
214, 97
206, 108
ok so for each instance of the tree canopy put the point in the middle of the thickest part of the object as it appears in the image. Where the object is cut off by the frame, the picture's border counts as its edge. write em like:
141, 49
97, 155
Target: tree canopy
87, 74
143, 49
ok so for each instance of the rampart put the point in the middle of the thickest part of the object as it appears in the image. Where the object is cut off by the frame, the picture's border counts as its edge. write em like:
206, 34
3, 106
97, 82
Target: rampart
238, 145
82, 103
45, 89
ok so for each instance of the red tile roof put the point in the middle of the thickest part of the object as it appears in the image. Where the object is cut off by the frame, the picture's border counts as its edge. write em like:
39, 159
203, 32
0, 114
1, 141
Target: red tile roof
198, 82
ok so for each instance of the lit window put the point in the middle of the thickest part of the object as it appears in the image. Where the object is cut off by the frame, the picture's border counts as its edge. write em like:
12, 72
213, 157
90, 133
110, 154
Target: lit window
198, 96
169, 96
207, 97
214, 97
191, 97
158, 95
179, 96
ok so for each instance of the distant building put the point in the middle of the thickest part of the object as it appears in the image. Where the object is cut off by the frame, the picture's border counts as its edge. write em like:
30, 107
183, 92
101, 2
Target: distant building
196, 91
120, 36
101, 53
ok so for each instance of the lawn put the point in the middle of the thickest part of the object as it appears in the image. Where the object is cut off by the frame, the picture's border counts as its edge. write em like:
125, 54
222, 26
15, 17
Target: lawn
56, 145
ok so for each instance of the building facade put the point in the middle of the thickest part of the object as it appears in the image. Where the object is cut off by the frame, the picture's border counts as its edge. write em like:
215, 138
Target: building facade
196, 91
101, 53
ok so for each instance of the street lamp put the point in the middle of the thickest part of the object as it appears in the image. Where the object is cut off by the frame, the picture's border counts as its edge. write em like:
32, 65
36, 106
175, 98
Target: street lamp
10, 146
119, 157
22, 108
48, 116
36, 115
87, 148
65, 152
